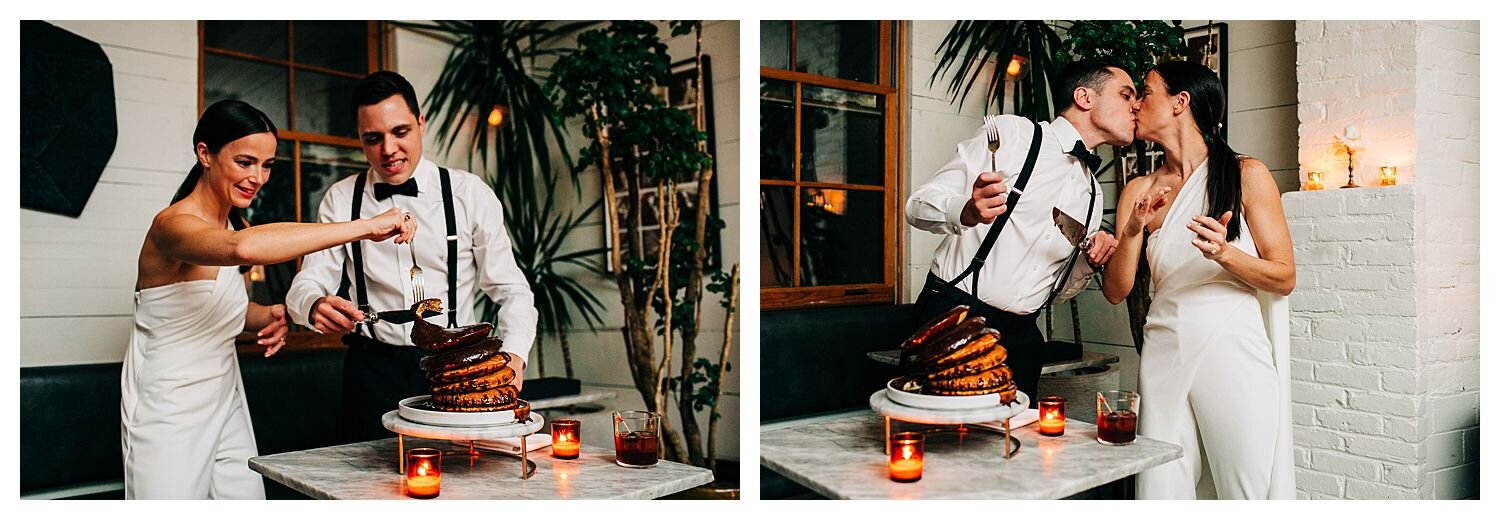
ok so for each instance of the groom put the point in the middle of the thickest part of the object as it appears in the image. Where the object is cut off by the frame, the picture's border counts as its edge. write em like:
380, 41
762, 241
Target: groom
461, 246
1006, 250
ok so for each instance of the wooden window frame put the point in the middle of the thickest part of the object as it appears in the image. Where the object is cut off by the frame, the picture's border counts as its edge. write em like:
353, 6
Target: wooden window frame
891, 87
376, 57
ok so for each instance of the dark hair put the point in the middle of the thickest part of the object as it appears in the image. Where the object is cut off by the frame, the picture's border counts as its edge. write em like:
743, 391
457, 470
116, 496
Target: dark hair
1090, 73
1206, 101
380, 85
220, 124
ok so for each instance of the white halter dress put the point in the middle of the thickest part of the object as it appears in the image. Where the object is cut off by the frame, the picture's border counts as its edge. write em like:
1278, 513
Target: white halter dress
1215, 367
184, 424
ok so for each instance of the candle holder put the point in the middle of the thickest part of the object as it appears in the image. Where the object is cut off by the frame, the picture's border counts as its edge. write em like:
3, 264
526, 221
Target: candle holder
1052, 417
906, 457
565, 438
1314, 180
636, 435
1387, 175
424, 472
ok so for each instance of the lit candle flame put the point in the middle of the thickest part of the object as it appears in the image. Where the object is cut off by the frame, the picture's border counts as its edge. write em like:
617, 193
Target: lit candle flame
496, 116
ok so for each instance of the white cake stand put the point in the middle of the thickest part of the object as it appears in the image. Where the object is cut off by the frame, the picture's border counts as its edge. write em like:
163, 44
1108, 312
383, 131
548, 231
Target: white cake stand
882, 404
393, 421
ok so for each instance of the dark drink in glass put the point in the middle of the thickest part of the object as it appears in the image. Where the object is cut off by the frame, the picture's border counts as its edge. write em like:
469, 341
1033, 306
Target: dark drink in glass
1117, 411
636, 435
1117, 428
636, 449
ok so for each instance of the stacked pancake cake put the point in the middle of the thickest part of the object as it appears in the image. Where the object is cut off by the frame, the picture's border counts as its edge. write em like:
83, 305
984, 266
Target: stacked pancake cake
467, 370
955, 354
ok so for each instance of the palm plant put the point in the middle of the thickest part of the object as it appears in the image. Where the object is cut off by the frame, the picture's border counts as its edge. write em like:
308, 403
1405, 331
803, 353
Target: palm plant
971, 44
538, 230
491, 66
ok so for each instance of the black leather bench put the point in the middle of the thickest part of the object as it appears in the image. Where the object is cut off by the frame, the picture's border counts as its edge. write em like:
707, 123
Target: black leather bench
70, 419
813, 360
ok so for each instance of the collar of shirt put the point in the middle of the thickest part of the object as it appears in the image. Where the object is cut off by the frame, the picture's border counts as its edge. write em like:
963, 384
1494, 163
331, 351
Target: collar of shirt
426, 175
1066, 134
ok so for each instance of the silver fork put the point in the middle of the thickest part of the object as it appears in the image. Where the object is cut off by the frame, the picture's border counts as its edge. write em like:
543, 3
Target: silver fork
992, 133
417, 282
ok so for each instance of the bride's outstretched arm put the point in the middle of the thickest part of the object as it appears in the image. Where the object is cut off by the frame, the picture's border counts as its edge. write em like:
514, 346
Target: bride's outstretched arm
193, 240
1139, 202
1275, 271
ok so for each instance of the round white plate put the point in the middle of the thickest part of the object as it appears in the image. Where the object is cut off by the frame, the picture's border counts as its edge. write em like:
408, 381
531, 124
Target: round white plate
417, 409
939, 402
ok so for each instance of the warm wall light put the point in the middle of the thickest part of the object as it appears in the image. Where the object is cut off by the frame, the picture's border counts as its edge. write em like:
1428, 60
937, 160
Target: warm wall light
1014, 69
1387, 175
496, 116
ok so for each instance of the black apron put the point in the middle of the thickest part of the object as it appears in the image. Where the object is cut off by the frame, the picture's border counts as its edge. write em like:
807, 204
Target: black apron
379, 375
1019, 333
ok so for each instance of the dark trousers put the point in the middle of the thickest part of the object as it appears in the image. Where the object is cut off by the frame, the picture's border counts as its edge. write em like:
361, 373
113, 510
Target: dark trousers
1018, 333
377, 376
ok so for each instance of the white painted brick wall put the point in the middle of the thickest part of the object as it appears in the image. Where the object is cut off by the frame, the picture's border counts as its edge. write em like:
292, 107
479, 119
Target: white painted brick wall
1385, 327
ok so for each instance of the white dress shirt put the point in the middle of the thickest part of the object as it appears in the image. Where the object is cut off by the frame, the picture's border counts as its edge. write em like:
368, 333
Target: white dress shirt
1031, 251
485, 261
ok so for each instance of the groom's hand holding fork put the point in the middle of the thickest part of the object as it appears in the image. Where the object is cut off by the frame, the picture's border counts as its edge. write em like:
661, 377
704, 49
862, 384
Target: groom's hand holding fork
987, 200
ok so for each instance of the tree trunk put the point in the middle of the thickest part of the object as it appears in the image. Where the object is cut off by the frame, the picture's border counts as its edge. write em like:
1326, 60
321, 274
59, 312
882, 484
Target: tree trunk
713, 413
694, 289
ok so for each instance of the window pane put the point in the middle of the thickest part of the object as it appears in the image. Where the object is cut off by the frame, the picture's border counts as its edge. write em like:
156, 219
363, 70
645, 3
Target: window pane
339, 45
261, 38
843, 137
843, 237
776, 116
323, 165
775, 44
846, 49
775, 236
263, 86
323, 104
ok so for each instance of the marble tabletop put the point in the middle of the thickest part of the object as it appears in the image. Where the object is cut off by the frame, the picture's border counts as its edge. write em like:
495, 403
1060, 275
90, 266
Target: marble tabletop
367, 471
843, 457
1089, 359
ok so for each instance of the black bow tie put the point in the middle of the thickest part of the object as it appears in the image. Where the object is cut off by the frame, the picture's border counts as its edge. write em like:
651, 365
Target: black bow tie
384, 191
1083, 154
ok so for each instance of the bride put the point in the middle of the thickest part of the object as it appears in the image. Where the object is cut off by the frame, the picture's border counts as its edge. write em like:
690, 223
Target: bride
1215, 236
185, 430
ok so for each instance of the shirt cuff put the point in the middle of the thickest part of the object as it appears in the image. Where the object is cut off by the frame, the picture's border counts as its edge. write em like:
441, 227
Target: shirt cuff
514, 346
955, 212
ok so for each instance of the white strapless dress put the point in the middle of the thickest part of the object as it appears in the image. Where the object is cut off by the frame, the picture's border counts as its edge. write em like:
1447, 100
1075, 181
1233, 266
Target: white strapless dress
185, 428
1215, 366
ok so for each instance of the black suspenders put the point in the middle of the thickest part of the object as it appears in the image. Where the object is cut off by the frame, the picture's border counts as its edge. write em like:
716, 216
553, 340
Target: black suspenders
1010, 203
356, 254
452, 239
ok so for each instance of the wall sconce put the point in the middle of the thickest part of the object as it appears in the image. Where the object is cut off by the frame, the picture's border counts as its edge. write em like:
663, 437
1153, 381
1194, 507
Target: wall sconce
1387, 175
1314, 180
497, 116
1016, 66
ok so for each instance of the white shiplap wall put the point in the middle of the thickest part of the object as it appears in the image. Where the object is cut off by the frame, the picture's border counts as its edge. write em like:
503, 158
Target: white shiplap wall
78, 274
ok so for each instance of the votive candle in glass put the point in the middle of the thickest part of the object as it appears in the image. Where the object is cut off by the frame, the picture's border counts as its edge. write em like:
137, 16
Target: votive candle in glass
424, 472
565, 438
906, 457
1052, 417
